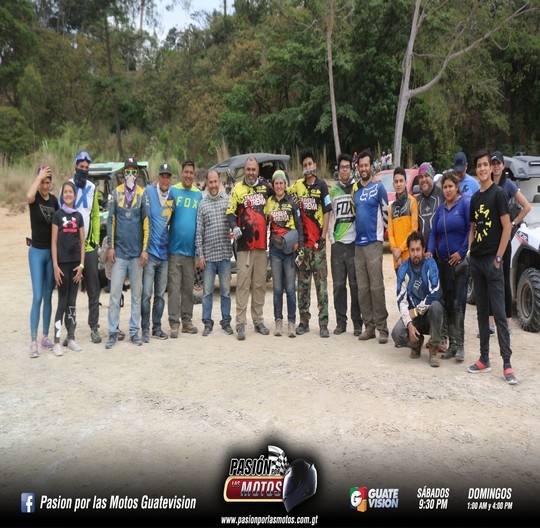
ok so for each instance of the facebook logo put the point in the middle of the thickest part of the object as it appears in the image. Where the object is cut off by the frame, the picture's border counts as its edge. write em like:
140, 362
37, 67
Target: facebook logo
28, 502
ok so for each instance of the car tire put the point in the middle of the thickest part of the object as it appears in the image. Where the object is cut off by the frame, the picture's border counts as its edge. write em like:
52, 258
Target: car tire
528, 300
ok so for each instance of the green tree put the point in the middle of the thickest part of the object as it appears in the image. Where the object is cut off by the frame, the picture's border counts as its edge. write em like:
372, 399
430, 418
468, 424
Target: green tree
15, 136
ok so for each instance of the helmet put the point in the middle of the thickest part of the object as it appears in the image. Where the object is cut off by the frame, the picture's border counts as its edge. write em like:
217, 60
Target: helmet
299, 483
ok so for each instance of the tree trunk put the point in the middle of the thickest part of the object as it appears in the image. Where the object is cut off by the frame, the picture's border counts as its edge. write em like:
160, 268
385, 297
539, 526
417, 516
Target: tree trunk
329, 32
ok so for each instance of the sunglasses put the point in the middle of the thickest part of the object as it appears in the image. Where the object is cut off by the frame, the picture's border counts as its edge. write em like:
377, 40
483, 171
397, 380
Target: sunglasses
131, 172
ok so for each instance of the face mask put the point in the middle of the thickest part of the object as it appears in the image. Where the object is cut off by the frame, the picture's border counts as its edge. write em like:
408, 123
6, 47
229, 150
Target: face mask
130, 181
80, 178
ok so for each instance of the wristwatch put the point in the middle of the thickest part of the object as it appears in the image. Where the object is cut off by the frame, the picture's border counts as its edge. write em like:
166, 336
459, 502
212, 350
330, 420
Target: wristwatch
513, 223
498, 259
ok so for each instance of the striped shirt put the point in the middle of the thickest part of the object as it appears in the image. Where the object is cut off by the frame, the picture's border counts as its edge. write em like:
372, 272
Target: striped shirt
213, 239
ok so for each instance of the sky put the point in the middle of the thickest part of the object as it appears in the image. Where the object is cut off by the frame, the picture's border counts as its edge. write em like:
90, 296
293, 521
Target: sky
181, 18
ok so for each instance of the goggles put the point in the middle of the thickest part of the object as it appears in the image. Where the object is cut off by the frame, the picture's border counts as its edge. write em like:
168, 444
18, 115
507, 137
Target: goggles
83, 155
131, 172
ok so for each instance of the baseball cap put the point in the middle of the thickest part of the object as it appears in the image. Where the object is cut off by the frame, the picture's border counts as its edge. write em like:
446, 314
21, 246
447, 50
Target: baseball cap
165, 168
426, 169
460, 162
83, 155
497, 155
130, 162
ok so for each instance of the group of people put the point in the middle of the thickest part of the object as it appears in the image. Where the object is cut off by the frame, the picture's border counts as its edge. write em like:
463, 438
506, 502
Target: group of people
160, 234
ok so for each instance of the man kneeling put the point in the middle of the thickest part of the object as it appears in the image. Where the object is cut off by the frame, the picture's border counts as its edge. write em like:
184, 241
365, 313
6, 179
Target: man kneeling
418, 298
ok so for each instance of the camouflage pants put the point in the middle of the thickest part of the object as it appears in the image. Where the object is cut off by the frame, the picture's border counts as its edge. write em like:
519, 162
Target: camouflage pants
314, 265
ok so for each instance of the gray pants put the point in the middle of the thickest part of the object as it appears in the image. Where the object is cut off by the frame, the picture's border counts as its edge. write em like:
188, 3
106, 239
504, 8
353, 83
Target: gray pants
180, 279
429, 323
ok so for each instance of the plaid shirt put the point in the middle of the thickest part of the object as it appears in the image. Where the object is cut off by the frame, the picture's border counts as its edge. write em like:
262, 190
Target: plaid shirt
213, 239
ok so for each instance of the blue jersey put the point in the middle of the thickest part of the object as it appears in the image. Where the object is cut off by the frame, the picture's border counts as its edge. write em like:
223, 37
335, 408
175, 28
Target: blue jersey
370, 206
160, 217
184, 220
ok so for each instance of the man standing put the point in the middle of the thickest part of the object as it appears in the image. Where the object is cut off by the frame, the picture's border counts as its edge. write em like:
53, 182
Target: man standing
429, 199
315, 207
155, 271
128, 232
467, 184
181, 275
248, 223
418, 298
489, 236
370, 207
86, 202
342, 234
213, 252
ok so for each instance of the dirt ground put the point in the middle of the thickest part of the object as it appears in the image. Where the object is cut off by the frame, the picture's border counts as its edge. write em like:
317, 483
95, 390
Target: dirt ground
166, 418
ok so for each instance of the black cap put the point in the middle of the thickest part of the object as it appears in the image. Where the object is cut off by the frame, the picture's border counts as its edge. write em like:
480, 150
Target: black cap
165, 168
131, 162
497, 155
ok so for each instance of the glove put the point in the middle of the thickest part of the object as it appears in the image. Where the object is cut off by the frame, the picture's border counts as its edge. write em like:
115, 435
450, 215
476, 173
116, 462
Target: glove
301, 253
237, 232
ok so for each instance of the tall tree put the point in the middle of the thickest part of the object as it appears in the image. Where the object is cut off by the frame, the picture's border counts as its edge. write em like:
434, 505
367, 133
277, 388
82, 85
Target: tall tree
469, 27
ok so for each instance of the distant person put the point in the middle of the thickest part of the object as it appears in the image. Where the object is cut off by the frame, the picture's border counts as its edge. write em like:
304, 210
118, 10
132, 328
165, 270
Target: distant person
248, 223
467, 184
68, 254
87, 204
489, 236
286, 238
342, 234
213, 253
389, 162
155, 272
315, 206
418, 298
128, 232
42, 205
181, 276
429, 199
370, 206
402, 218
449, 240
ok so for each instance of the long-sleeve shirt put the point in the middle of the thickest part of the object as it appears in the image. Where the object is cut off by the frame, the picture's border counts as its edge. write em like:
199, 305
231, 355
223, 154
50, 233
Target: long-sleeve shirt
213, 239
370, 206
341, 227
402, 221
86, 202
160, 217
283, 216
128, 228
417, 287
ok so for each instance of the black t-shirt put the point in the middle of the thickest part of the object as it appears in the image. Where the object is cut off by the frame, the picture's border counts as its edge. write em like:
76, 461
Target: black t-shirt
487, 207
68, 246
41, 214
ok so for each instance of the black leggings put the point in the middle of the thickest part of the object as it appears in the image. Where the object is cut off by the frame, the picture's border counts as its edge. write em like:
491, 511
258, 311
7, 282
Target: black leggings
67, 298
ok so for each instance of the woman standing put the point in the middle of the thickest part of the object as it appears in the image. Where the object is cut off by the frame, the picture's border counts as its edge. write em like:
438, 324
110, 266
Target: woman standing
42, 205
284, 219
68, 252
449, 241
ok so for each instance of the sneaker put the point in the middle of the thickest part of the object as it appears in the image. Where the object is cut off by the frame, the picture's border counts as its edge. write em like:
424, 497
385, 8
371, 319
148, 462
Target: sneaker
94, 335
491, 332
146, 337
207, 330
323, 331
65, 342
509, 376
292, 333
302, 328
228, 329
368, 333
479, 367
46, 343
160, 334
113, 338
340, 329
241, 332
73, 345
57, 350
189, 328
259, 327
357, 329
450, 353
34, 350
174, 330
120, 335
383, 338
416, 348
136, 340
279, 327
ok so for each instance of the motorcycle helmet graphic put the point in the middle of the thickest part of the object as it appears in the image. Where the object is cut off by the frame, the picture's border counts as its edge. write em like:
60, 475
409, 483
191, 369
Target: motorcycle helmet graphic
299, 483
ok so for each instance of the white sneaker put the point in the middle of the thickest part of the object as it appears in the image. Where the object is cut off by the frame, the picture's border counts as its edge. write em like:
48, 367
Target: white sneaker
72, 345
57, 350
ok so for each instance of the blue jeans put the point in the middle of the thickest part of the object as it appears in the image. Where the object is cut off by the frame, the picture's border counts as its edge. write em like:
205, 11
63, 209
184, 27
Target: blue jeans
154, 281
120, 268
283, 278
222, 269
41, 273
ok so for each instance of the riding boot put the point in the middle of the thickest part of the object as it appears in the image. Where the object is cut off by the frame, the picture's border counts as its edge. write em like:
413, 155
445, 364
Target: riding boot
460, 335
452, 331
